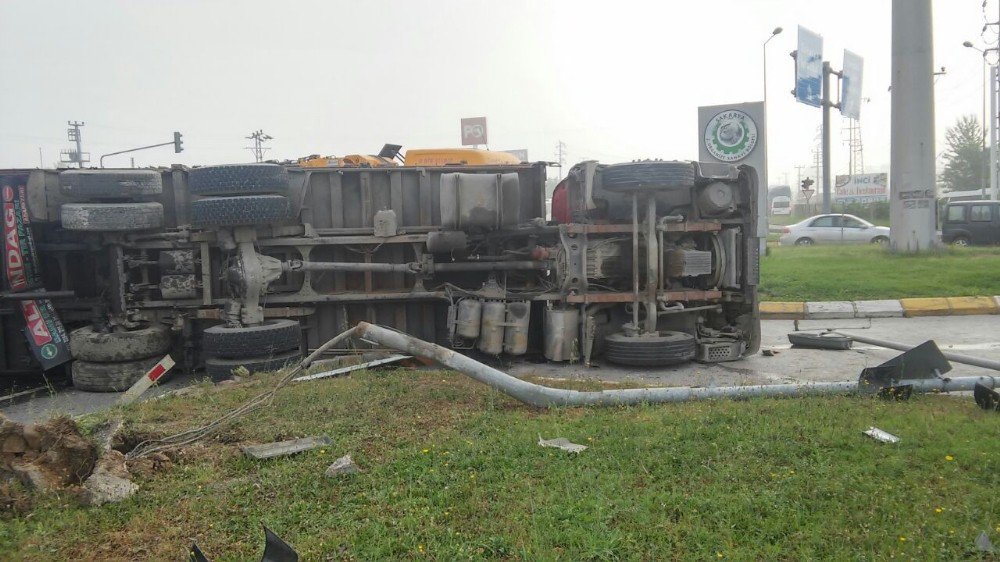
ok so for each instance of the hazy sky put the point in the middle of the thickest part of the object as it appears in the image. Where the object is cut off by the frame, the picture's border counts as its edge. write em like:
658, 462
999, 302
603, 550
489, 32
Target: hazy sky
615, 81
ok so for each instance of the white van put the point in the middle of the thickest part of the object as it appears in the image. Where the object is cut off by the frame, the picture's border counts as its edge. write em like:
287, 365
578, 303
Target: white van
781, 205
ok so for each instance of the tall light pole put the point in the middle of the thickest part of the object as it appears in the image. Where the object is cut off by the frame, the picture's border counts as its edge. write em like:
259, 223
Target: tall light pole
985, 173
775, 32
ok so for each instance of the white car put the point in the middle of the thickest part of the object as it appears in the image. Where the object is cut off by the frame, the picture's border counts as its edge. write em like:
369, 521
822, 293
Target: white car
833, 229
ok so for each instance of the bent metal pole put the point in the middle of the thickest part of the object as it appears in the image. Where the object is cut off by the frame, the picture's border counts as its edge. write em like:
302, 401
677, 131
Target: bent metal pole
544, 396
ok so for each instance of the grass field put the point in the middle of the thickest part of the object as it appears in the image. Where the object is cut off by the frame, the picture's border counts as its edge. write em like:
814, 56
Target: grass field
452, 471
822, 273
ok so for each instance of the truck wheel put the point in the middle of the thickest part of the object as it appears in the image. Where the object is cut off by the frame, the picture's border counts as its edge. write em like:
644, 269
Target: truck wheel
236, 211
273, 336
222, 369
110, 377
89, 345
666, 348
238, 179
111, 217
648, 176
110, 184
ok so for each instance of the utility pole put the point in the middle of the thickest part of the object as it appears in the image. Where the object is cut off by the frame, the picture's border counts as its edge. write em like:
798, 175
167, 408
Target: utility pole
78, 156
259, 137
912, 196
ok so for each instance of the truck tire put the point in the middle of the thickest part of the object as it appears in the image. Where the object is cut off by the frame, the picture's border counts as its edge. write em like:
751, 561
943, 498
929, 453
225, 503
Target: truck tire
89, 345
643, 176
239, 211
110, 377
239, 179
667, 348
110, 184
273, 336
111, 217
221, 369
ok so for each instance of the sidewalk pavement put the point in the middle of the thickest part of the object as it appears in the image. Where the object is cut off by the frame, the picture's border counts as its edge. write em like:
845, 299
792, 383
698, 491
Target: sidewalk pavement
908, 308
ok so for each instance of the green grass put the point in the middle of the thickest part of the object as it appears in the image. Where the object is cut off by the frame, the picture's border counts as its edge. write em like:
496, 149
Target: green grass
822, 273
452, 471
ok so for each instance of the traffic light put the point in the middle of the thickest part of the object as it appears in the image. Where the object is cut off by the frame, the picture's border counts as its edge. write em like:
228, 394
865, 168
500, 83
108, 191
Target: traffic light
178, 143
807, 184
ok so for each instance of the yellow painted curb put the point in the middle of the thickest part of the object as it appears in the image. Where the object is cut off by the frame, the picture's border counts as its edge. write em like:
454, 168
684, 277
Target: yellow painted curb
783, 310
972, 305
932, 306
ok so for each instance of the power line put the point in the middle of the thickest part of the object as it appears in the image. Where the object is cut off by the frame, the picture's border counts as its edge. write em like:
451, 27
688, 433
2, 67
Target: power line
258, 149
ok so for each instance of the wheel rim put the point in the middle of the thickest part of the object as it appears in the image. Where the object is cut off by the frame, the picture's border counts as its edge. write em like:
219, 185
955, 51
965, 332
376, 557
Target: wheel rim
880, 241
804, 242
961, 242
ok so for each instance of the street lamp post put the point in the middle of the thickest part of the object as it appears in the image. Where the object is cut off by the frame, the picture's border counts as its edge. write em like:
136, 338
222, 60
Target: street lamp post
989, 162
775, 32
983, 147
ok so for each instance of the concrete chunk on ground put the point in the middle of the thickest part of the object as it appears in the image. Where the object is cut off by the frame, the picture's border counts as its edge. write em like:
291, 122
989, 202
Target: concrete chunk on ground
341, 466
110, 481
879, 309
829, 310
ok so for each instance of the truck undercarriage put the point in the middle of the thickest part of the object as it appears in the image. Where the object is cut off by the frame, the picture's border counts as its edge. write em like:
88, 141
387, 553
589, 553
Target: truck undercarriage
248, 266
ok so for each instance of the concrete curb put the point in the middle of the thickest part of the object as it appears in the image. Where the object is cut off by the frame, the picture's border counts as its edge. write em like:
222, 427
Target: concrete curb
909, 308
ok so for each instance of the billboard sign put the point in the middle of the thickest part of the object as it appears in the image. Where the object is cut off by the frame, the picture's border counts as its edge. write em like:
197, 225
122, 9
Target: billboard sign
809, 68
474, 131
861, 188
850, 92
737, 134
520, 153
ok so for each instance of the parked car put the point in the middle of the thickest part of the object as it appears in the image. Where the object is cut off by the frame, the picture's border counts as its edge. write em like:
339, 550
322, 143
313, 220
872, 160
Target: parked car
833, 229
971, 222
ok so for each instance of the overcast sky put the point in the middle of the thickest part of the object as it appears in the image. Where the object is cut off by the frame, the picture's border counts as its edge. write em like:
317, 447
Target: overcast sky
615, 81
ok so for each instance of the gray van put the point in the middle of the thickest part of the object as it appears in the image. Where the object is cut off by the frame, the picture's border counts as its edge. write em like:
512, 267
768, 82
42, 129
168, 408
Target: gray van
971, 222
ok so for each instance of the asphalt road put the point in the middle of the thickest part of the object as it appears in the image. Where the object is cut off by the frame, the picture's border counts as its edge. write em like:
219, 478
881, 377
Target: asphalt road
970, 335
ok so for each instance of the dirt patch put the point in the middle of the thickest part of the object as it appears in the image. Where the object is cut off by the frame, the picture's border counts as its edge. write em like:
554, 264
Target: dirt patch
14, 500
49, 456
146, 467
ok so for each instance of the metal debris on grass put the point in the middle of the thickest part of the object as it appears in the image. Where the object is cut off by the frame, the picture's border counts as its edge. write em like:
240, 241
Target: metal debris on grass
561, 443
284, 448
983, 543
879, 435
349, 368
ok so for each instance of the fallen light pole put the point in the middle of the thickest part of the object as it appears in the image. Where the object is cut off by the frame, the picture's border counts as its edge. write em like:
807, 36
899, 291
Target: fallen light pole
544, 396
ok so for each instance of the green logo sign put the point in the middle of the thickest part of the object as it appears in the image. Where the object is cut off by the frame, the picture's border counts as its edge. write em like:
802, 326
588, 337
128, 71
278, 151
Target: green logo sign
731, 136
49, 351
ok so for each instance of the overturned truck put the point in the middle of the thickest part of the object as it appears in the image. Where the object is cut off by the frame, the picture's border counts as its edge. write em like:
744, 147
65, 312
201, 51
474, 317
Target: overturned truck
248, 266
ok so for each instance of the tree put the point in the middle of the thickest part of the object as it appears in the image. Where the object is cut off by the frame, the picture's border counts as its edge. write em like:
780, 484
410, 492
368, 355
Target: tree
965, 160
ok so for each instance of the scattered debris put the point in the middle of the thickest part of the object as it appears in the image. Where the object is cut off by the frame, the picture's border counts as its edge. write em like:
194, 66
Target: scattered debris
110, 481
284, 448
275, 550
341, 466
355, 367
879, 435
820, 341
561, 443
983, 543
986, 397
148, 380
768, 352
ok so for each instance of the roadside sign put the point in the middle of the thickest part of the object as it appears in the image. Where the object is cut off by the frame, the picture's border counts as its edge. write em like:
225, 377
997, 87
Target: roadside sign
474, 131
809, 68
850, 93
